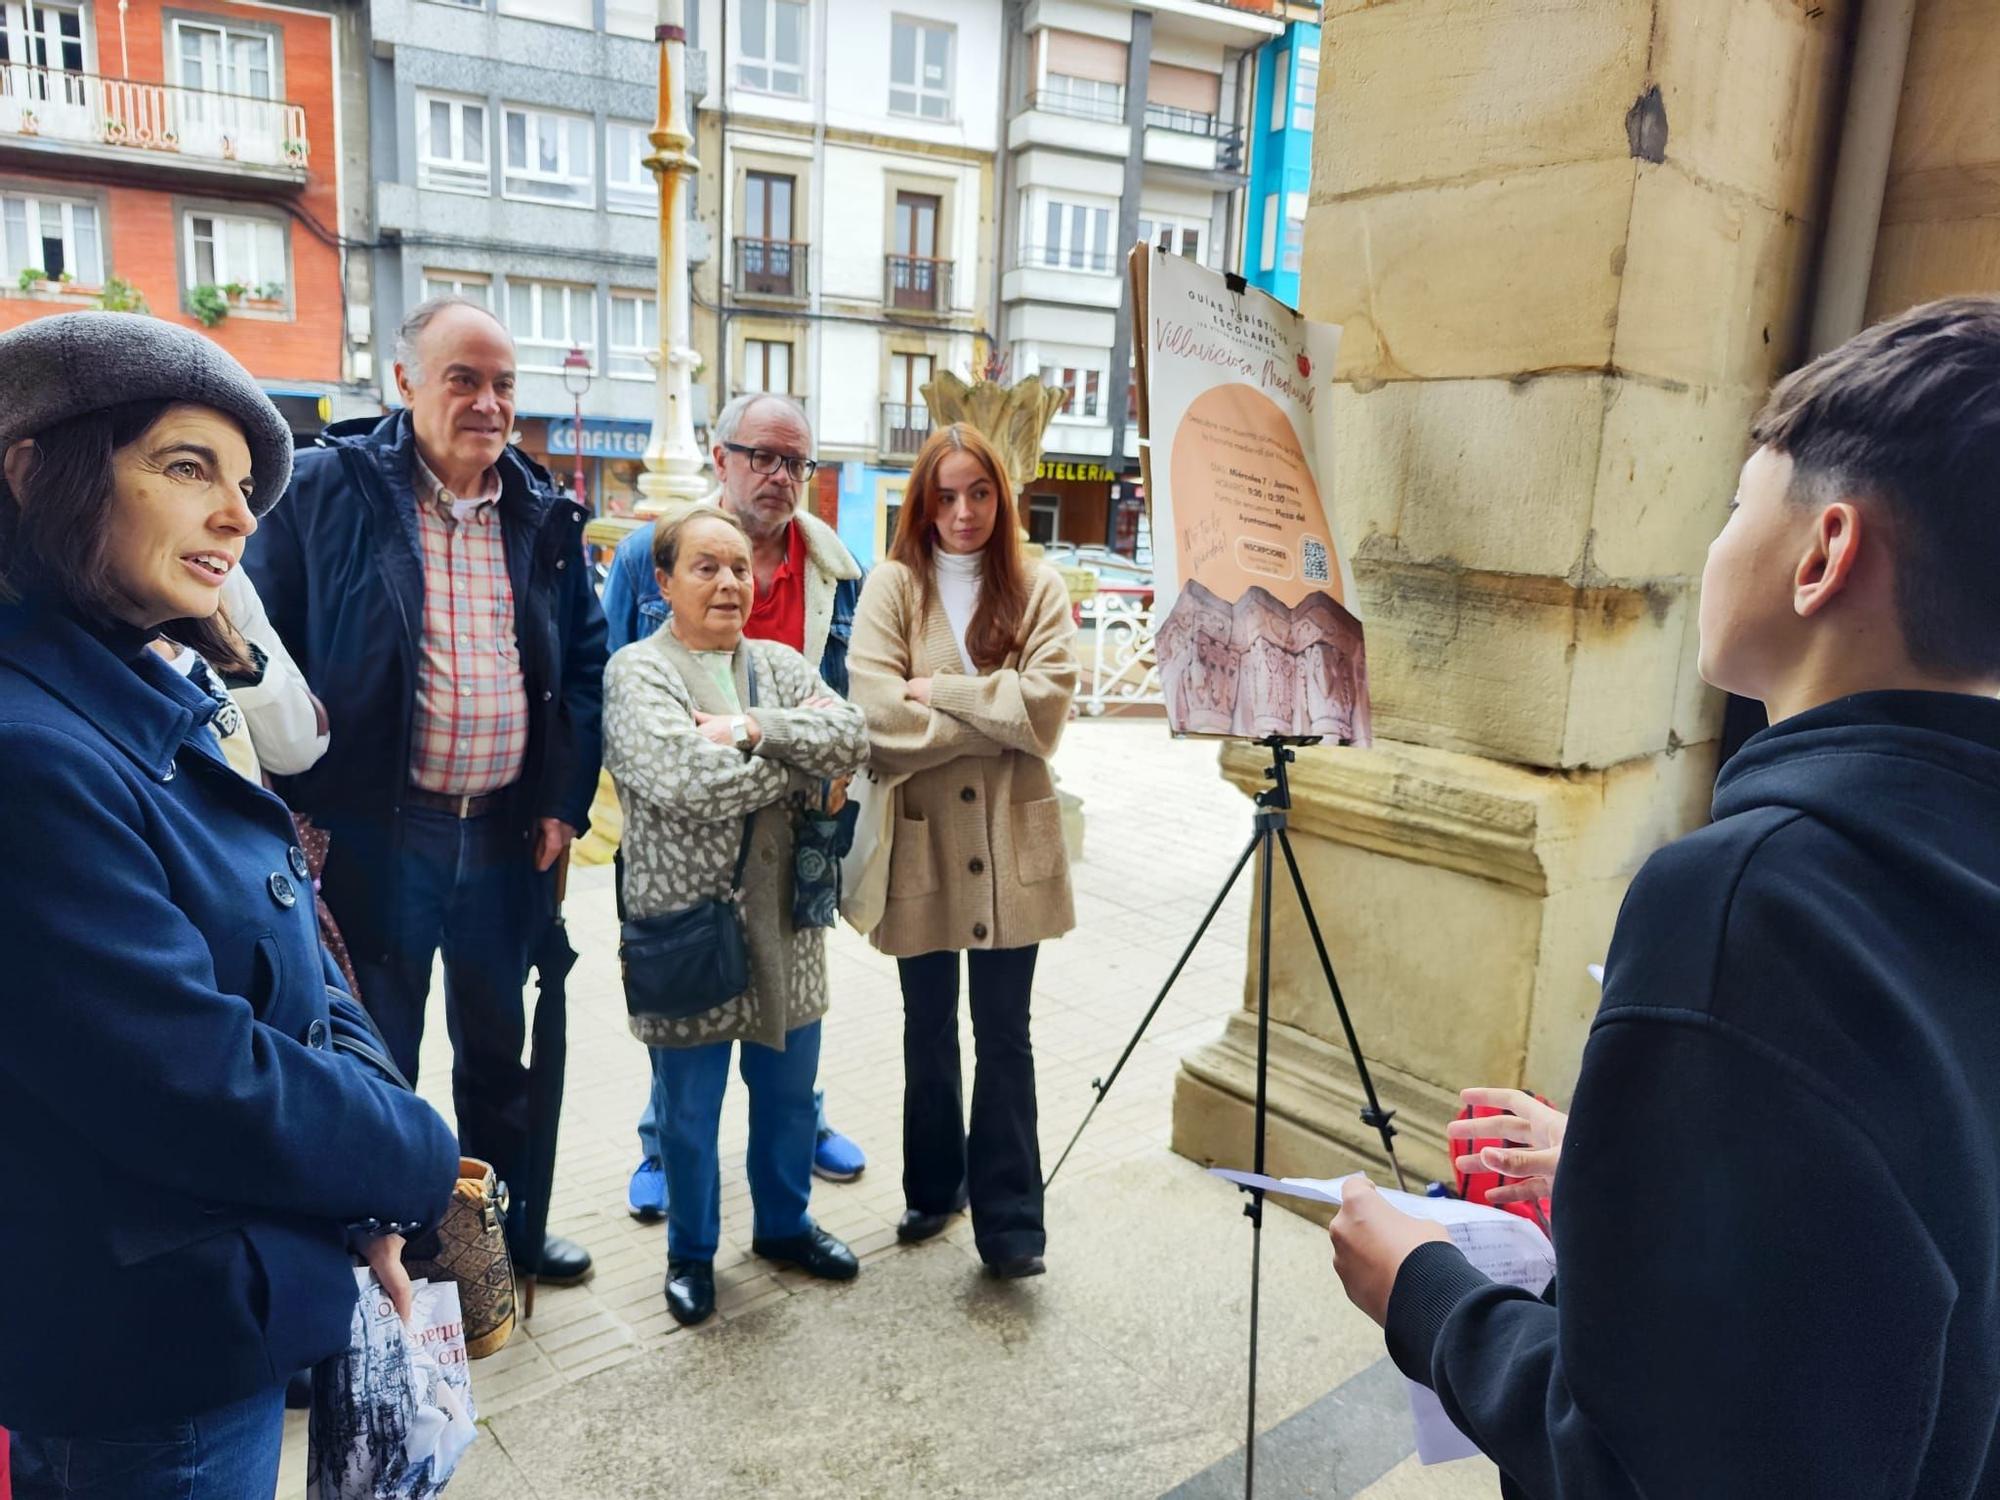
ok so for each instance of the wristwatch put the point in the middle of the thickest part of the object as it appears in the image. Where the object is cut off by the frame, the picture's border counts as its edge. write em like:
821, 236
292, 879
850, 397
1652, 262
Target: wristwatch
739, 733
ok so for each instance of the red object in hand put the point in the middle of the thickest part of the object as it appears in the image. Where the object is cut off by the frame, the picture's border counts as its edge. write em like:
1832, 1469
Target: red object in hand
1474, 1186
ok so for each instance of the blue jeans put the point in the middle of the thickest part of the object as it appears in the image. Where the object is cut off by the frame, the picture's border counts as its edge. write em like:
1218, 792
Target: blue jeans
224, 1454
689, 1083
649, 1121
468, 886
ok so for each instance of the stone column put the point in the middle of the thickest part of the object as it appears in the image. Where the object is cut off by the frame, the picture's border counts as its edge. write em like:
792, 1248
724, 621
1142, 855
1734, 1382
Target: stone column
1569, 242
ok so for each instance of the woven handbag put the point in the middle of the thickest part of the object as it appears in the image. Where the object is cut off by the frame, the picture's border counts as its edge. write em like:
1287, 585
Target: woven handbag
469, 1249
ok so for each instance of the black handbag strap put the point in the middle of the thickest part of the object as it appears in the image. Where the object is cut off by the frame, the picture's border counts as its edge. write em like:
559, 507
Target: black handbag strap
743, 849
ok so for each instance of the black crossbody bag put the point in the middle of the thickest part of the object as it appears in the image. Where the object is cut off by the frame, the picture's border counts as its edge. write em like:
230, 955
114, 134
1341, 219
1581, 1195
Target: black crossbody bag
682, 963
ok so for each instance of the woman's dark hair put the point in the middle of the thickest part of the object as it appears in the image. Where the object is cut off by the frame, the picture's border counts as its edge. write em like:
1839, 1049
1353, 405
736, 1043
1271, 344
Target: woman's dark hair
54, 540
1906, 415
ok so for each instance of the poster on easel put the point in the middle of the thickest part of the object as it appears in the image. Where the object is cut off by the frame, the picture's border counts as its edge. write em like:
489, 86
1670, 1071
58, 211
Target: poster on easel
1258, 632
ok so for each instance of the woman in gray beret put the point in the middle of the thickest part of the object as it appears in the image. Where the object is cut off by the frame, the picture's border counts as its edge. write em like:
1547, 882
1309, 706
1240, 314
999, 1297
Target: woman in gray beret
197, 1129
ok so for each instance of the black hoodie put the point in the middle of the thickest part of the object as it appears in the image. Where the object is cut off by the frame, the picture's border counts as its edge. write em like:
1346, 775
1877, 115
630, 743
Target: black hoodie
1778, 1208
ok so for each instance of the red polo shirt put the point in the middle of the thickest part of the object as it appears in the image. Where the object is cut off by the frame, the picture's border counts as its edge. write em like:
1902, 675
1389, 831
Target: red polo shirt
779, 612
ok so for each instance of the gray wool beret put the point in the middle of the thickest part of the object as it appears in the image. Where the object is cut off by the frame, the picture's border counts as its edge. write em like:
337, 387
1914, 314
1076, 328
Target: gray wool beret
71, 364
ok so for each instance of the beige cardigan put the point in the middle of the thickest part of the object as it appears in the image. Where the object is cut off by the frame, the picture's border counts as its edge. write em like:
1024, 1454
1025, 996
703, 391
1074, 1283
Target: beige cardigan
977, 857
685, 801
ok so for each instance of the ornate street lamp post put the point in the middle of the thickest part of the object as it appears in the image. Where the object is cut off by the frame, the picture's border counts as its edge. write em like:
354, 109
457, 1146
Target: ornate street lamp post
673, 476
576, 380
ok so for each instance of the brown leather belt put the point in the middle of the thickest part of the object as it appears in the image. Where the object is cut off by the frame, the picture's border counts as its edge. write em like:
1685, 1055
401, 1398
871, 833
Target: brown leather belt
457, 806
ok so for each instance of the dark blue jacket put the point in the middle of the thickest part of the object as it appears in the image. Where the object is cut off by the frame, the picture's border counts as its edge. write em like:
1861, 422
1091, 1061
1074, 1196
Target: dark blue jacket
340, 569
633, 608
180, 1145
1777, 1215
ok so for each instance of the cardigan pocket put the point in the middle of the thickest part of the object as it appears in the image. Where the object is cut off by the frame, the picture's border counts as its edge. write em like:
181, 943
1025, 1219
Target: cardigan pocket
1038, 839
912, 866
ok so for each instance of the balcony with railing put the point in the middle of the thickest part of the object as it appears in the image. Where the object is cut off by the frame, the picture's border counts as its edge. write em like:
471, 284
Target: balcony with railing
150, 126
1076, 274
1076, 116
1177, 137
904, 429
771, 268
916, 283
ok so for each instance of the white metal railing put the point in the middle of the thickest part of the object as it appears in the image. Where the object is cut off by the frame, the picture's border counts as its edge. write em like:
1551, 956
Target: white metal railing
56, 104
1123, 666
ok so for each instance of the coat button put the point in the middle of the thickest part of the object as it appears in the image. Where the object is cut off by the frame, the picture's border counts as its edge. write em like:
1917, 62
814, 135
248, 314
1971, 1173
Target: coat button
978, 867
316, 1035
546, 695
561, 563
968, 795
297, 859
979, 931
282, 890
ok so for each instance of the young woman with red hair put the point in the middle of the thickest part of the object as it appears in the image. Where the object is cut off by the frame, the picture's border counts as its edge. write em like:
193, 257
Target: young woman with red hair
963, 660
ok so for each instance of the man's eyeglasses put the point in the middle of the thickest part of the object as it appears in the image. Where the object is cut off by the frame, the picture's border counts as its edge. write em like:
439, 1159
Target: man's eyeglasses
764, 461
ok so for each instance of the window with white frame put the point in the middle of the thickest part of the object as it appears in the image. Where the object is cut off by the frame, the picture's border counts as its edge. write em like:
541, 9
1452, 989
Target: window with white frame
1084, 387
467, 284
1281, 97
226, 250
218, 59
42, 34
451, 144
549, 156
55, 236
1173, 234
1295, 230
772, 58
1305, 88
628, 185
1267, 253
1085, 98
920, 63
1065, 234
548, 319
767, 365
635, 335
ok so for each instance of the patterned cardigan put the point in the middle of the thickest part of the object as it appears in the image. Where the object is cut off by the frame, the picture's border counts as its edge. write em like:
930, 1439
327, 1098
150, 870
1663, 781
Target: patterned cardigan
685, 800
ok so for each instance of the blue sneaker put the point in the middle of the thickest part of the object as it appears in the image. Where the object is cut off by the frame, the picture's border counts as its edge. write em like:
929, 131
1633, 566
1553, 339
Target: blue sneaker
836, 1158
646, 1198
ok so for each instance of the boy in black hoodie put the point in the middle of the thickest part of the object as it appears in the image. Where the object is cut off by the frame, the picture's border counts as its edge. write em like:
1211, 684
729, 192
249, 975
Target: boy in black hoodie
1778, 1200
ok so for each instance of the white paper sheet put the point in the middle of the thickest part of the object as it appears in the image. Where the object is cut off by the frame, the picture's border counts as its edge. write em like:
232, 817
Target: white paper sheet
1500, 1245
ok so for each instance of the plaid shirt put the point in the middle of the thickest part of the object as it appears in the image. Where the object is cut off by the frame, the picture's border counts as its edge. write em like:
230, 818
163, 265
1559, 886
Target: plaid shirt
471, 731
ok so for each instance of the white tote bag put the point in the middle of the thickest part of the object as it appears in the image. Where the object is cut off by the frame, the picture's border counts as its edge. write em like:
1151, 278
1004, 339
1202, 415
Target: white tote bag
864, 869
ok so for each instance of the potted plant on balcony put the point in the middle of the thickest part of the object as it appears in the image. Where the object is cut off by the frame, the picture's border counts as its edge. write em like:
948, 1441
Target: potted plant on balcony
31, 280
208, 303
119, 295
266, 296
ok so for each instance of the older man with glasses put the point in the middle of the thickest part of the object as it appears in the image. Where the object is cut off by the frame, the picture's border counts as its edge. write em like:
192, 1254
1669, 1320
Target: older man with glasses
808, 584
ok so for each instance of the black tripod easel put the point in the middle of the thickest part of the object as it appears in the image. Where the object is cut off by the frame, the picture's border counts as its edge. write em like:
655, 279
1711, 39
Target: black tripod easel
1273, 809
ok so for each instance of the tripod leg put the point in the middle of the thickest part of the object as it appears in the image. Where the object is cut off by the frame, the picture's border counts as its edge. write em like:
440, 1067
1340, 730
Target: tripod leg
1160, 999
1267, 833
1374, 1114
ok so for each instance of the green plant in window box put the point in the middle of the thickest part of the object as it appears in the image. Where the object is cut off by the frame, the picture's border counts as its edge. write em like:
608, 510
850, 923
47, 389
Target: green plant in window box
234, 290
209, 304
32, 277
270, 291
119, 295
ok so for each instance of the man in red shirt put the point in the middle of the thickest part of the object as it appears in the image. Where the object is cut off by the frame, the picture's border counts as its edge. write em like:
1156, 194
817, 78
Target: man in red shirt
807, 586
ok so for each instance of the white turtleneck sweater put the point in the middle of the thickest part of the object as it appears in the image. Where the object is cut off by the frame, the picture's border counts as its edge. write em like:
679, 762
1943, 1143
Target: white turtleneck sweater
958, 576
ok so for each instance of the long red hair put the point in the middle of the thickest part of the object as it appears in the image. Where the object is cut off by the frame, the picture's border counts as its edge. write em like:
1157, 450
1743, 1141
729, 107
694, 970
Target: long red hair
1003, 588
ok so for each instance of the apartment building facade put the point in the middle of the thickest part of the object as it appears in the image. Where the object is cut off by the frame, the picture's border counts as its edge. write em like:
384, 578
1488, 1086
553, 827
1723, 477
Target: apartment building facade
1281, 158
848, 152
507, 140
1126, 122
186, 158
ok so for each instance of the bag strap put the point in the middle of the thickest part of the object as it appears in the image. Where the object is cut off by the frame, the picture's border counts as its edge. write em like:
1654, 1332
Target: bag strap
743, 849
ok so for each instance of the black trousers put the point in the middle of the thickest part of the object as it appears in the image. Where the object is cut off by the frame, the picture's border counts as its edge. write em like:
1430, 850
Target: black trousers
999, 1166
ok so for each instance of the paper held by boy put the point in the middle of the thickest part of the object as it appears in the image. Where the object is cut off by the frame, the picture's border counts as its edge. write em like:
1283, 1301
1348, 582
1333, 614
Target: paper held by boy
1503, 1246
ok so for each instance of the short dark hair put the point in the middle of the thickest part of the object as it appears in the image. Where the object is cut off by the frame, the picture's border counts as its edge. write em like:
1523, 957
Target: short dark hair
667, 534
1907, 415
54, 539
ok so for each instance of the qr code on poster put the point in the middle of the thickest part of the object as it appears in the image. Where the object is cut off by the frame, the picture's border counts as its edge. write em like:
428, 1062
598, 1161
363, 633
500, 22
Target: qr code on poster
1314, 565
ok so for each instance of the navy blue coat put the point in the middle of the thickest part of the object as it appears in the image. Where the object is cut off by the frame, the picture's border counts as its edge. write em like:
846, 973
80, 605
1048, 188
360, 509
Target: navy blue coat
339, 566
182, 1149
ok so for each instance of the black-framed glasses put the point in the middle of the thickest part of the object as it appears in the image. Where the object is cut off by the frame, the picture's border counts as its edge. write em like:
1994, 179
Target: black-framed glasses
764, 461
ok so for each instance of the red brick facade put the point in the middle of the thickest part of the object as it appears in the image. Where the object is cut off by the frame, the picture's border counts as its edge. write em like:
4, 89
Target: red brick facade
140, 209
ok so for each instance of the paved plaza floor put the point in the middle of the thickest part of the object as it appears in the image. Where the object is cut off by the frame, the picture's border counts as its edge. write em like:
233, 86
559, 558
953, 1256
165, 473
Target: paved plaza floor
1119, 1374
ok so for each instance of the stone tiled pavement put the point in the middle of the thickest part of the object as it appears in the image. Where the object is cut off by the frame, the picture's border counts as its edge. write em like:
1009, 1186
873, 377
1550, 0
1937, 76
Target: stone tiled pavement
1161, 832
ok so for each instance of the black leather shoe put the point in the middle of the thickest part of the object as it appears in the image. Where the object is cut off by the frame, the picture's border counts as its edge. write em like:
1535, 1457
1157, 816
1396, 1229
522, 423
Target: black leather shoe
914, 1227
564, 1262
690, 1291
1016, 1268
815, 1252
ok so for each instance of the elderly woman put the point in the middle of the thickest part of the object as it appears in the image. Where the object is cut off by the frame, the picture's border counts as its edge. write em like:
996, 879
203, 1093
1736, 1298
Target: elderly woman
195, 1126
713, 740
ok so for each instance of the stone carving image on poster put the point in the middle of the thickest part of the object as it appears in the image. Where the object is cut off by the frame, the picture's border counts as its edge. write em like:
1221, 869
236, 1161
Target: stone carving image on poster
1258, 633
